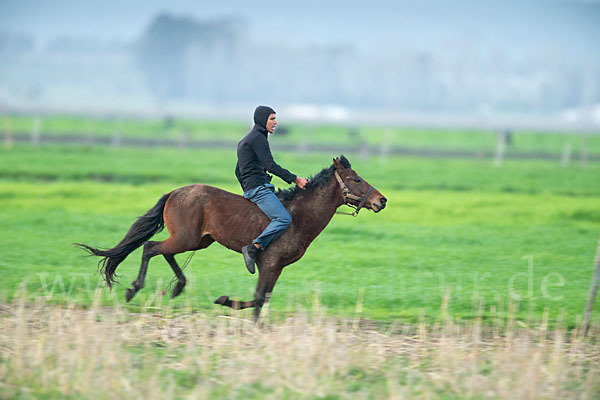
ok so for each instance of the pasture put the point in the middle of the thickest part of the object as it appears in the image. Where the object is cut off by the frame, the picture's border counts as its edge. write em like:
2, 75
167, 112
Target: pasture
298, 134
484, 260
485, 236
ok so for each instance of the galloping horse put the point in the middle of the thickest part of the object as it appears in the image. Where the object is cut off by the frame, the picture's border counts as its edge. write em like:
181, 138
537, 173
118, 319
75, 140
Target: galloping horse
198, 215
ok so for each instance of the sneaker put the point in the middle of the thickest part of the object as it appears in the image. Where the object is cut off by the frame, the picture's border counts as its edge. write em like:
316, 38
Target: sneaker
249, 252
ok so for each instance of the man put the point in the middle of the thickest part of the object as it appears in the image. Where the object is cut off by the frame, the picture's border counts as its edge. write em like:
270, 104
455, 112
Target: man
254, 160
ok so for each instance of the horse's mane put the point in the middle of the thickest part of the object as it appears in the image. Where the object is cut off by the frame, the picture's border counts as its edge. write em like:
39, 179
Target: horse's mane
319, 179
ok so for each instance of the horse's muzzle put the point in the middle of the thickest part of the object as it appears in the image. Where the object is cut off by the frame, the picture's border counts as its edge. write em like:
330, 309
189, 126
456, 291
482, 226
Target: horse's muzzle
380, 205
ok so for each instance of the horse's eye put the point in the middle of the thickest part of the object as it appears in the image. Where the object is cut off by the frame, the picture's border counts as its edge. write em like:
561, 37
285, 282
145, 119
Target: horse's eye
357, 180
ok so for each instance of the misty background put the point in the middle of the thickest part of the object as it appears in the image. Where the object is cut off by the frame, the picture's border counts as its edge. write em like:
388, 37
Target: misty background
531, 62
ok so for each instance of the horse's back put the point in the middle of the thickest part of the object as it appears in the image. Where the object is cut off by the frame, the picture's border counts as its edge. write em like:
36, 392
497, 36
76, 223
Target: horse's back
197, 210
200, 192
201, 200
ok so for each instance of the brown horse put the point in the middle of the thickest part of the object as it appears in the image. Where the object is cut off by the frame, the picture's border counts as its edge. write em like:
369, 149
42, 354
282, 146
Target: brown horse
198, 215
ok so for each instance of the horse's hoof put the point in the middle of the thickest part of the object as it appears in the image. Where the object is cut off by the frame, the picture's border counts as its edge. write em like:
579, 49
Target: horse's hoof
129, 293
177, 290
222, 300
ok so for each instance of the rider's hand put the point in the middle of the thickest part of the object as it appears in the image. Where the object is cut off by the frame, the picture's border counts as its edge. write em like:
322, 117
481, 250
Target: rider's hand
301, 182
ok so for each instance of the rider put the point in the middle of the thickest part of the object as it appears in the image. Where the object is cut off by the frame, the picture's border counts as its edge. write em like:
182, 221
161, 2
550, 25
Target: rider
254, 160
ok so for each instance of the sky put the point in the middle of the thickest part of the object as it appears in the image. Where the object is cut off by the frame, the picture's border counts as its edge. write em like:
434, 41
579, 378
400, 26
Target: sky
513, 25
475, 54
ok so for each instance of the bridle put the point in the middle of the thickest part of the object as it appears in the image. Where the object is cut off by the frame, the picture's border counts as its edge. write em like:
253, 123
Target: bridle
347, 194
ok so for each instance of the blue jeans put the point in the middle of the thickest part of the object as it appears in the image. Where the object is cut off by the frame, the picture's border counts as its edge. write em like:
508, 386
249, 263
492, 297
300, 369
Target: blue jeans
264, 197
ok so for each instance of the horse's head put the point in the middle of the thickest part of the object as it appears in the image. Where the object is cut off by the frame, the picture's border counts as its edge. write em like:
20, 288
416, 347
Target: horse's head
356, 191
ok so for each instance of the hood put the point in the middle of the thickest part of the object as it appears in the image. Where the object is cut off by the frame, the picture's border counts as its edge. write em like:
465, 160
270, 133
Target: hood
261, 114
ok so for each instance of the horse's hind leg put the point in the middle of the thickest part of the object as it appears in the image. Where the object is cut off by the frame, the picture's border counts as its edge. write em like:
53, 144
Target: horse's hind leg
138, 284
178, 273
172, 246
168, 248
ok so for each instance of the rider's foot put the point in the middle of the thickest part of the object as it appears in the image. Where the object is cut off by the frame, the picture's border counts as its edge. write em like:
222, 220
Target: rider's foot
249, 253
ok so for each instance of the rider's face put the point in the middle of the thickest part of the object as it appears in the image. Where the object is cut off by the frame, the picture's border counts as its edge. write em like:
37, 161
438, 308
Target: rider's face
271, 123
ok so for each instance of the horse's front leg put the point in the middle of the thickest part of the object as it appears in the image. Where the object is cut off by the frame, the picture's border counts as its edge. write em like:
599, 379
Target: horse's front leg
266, 282
267, 277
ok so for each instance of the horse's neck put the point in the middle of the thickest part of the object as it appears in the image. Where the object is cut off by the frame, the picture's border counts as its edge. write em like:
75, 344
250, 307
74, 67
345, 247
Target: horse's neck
319, 207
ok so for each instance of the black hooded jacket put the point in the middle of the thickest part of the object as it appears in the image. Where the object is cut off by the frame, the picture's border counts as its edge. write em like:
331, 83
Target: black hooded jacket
254, 155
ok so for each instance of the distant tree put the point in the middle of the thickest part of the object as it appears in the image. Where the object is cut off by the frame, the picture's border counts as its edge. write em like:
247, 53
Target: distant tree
162, 49
14, 45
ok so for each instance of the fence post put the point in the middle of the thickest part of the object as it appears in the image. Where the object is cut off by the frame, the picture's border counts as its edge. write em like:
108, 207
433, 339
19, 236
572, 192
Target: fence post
116, 139
385, 145
8, 142
502, 138
36, 131
584, 152
566, 155
302, 148
183, 138
593, 290
364, 151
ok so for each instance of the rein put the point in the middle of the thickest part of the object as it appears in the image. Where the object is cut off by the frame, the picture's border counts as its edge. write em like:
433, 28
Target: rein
347, 194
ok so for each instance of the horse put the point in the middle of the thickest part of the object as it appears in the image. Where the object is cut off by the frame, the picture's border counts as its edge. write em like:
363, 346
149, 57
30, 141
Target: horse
198, 215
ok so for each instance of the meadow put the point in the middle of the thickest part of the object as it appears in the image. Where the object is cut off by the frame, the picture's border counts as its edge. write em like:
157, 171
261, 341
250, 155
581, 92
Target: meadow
493, 262
298, 134
486, 236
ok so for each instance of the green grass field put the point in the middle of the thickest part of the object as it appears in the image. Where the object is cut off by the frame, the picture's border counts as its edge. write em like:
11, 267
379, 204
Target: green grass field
298, 133
520, 235
469, 285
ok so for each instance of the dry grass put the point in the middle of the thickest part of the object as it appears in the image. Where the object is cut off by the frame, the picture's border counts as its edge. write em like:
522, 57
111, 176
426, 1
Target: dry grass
51, 352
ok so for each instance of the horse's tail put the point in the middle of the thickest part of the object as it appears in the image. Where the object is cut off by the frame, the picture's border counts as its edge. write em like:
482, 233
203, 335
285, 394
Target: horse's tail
143, 229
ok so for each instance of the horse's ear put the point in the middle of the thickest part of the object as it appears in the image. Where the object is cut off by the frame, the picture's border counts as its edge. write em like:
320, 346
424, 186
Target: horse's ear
337, 164
344, 161
341, 162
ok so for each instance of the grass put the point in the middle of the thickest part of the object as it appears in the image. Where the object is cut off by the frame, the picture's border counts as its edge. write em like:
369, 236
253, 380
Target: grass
183, 166
167, 128
163, 353
470, 284
299, 133
485, 236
